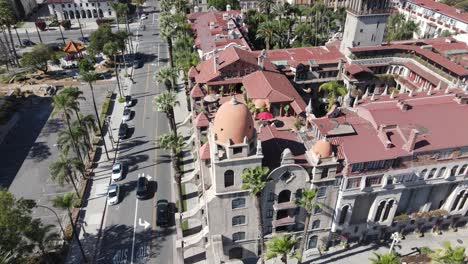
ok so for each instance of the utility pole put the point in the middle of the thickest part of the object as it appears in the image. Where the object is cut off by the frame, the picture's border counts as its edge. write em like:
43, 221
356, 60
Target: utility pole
58, 219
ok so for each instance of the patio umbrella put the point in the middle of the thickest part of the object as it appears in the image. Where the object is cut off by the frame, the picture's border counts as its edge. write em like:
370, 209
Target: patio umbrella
265, 115
210, 98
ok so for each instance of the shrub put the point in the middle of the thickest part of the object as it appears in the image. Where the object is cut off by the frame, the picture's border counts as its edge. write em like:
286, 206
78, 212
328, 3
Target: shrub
54, 23
103, 21
41, 25
66, 24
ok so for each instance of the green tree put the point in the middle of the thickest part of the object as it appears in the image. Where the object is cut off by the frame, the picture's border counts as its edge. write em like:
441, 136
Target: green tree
280, 246
112, 48
65, 105
266, 31
254, 180
445, 33
174, 143
306, 201
120, 11
448, 255
166, 76
7, 19
333, 90
15, 220
85, 64
38, 57
77, 95
387, 258
167, 31
265, 6
78, 132
138, 4
165, 103
66, 202
44, 237
61, 170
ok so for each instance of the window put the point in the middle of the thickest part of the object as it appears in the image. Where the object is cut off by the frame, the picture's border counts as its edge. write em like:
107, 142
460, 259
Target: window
312, 242
238, 236
431, 173
69, 5
324, 173
380, 209
387, 210
110, 12
462, 171
238, 203
343, 214
271, 196
286, 175
298, 194
423, 173
237, 150
87, 4
317, 210
284, 196
361, 30
63, 5
269, 213
269, 229
357, 167
316, 224
372, 181
441, 172
238, 220
453, 171
390, 180
322, 191
228, 178
353, 183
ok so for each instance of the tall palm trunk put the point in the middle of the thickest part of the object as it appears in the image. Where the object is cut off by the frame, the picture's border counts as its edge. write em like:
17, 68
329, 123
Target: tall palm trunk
258, 204
304, 236
12, 61
117, 76
75, 146
13, 46
98, 120
178, 177
74, 184
86, 137
75, 234
172, 121
169, 45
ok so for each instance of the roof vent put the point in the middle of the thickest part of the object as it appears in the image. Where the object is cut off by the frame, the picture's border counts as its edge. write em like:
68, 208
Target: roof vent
461, 98
426, 47
449, 40
225, 16
459, 11
212, 25
403, 105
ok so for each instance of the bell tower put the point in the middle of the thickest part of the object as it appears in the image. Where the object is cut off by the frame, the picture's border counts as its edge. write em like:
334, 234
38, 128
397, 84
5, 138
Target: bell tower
365, 23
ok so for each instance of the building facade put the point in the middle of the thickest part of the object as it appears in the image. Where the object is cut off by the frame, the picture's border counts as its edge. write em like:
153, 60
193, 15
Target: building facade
80, 9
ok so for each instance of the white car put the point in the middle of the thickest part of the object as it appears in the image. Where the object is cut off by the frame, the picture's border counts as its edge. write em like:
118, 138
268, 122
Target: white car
117, 171
128, 101
126, 114
113, 194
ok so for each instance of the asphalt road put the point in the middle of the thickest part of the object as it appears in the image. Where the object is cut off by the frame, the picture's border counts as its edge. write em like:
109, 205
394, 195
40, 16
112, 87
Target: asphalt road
130, 234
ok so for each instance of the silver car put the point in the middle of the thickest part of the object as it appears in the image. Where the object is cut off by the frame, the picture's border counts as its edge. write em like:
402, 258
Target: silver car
126, 114
113, 194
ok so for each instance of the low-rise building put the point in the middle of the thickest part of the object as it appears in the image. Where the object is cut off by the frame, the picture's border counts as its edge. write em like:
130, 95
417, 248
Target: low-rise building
80, 9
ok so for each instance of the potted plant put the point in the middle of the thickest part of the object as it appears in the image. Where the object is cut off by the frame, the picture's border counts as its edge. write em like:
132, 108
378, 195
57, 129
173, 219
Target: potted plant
41, 25
286, 110
66, 24
344, 241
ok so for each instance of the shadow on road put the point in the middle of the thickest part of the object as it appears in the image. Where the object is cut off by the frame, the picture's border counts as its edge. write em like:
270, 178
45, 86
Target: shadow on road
40, 151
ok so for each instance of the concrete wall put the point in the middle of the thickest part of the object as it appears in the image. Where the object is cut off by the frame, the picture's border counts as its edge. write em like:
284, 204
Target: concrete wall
85, 9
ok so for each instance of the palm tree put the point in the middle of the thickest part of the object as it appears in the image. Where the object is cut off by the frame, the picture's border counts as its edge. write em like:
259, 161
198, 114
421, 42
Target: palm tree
76, 94
388, 258
120, 9
138, 4
333, 89
174, 143
8, 257
112, 48
66, 202
66, 139
65, 104
280, 246
167, 75
266, 31
165, 103
61, 170
7, 19
91, 77
43, 236
448, 255
89, 123
265, 5
306, 201
167, 31
253, 179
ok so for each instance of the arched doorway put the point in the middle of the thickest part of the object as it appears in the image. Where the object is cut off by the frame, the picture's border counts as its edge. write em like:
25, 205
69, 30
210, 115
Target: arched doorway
95, 14
83, 14
77, 14
65, 15
284, 196
101, 14
235, 253
343, 214
88, 14
72, 14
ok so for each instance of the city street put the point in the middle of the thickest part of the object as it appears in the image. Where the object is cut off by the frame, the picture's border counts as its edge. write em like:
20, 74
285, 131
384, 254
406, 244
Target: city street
129, 233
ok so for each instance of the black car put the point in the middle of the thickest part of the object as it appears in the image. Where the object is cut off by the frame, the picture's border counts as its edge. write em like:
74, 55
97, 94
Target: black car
27, 42
142, 188
137, 64
123, 131
83, 39
163, 215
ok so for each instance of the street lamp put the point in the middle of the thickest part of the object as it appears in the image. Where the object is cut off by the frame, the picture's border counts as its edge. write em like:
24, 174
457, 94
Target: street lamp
109, 130
396, 237
56, 215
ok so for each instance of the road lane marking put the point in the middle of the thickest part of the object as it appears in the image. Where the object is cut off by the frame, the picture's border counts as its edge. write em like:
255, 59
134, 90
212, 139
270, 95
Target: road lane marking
134, 228
159, 55
146, 91
143, 223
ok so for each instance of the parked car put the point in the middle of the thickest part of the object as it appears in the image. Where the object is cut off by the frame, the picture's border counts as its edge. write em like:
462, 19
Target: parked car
83, 39
126, 114
142, 188
117, 171
163, 213
27, 42
113, 194
128, 101
137, 64
123, 129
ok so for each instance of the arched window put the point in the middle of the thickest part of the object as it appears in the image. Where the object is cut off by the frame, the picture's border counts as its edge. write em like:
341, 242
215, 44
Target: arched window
238, 236
441, 172
457, 200
77, 14
109, 12
235, 253
71, 14
343, 214
316, 224
453, 171
423, 173
65, 15
88, 14
238, 220
431, 173
238, 203
463, 201
228, 178
387, 210
101, 14
83, 14
462, 171
378, 214
95, 14
298, 194
312, 242
284, 196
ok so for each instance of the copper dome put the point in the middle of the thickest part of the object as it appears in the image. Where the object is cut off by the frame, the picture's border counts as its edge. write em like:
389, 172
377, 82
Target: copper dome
323, 148
233, 121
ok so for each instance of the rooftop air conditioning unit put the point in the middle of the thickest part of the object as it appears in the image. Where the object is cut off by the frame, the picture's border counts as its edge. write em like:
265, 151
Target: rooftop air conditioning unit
459, 11
225, 16
426, 47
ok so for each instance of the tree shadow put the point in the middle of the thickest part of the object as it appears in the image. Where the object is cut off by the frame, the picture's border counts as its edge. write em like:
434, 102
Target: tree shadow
52, 126
40, 151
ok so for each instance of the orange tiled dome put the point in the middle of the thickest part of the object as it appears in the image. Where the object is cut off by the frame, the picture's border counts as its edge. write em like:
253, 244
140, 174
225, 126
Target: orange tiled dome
233, 121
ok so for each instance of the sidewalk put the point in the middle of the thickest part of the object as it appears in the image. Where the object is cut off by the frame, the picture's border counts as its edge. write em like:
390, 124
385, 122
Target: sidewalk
30, 27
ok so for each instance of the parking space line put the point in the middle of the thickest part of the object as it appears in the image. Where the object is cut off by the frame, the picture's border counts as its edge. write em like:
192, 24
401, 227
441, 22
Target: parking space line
134, 230
146, 91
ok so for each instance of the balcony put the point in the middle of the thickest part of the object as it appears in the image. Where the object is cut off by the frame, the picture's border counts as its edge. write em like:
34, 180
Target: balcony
285, 205
285, 221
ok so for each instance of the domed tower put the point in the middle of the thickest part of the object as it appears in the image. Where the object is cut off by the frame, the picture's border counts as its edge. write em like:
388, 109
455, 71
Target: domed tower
234, 144
322, 157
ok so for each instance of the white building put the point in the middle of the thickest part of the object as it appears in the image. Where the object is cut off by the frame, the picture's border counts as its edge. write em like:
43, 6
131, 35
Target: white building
81, 9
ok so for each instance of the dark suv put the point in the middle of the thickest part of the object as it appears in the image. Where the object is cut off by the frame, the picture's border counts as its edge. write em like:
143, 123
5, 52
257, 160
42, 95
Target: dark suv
163, 215
142, 188
123, 131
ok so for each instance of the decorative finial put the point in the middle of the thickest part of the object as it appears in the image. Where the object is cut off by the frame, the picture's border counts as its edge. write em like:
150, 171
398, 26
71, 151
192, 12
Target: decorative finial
392, 95
411, 93
439, 86
447, 91
309, 107
365, 94
356, 102
385, 91
429, 92
372, 97
234, 100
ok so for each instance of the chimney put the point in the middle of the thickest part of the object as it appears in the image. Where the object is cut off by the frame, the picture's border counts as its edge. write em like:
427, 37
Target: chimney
382, 134
261, 60
411, 142
228, 7
212, 25
403, 105
215, 62
225, 16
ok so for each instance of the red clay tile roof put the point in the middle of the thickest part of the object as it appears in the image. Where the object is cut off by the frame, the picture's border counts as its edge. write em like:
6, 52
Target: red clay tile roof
275, 141
73, 47
196, 92
205, 151
356, 68
192, 72
202, 120
321, 55
442, 8
273, 86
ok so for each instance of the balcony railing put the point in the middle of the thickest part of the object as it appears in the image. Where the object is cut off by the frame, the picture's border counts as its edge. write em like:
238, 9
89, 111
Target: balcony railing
285, 205
284, 221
